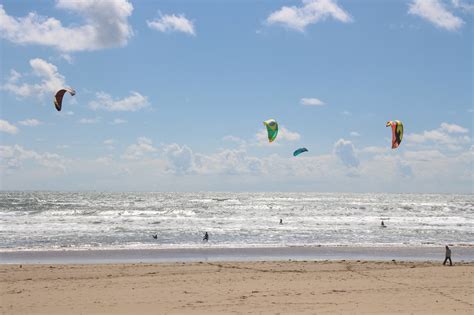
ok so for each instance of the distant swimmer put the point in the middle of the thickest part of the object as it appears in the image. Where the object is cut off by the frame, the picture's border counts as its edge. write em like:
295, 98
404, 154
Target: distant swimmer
206, 237
155, 236
382, 224
448, 256
281, 221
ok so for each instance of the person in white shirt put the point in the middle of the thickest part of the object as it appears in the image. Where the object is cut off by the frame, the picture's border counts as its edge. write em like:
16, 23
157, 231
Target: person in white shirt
448, 256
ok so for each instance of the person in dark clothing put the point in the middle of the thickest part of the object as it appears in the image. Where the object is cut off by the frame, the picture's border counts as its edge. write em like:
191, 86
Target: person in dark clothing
281, 221
155, 236
206, 237
448, 256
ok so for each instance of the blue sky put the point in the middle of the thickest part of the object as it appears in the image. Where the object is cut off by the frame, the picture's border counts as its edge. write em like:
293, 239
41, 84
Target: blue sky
171, 95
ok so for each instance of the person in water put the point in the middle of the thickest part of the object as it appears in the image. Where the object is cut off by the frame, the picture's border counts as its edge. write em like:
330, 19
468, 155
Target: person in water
281, 221
155, 236
382, 224
206, 237
448, 256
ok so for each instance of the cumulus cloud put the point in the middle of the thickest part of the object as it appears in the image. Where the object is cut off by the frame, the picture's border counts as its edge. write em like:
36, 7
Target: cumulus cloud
450, 135
13, 157
172, 23
140, 149
50, 80
435, 12
228, 162
30, 122
311, 102
375, 150
180, 158
465, 6
105, 26
311, 12
7, 127
132, 103
344, 150
453, 128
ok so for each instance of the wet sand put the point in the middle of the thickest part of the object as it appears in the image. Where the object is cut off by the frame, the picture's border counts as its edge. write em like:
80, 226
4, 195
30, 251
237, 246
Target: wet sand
286, 287
214, 253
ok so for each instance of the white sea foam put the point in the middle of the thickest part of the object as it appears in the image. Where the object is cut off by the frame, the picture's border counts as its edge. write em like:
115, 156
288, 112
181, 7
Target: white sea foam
51, 220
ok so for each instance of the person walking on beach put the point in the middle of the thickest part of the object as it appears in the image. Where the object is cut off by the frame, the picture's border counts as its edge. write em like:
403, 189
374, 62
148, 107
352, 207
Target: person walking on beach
448, 256
206, 237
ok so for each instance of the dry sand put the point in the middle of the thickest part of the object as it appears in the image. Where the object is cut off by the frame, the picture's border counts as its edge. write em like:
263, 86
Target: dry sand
241, 287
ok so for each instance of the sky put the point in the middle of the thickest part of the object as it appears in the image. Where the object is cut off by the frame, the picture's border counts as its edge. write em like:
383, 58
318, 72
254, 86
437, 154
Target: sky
172, 95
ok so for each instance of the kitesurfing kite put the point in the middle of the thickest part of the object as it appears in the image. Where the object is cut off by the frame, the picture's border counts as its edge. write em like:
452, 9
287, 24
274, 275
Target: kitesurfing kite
58, 98
397, 132
272, 129
299, 151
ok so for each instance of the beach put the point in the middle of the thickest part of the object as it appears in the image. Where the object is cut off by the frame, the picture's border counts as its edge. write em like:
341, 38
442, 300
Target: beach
286, 287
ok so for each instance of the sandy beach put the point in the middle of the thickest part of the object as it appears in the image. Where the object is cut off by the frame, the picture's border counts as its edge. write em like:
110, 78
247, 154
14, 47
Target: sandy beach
286, 287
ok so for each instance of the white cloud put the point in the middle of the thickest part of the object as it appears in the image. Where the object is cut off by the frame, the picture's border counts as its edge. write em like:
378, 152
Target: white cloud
346, 113
132, 103
140, 149
5, 126
106, 25
228, 162
311, 12
354, 134
66, 113
50, 80
13, 157
445, 135
311, 102
375, 150
283, 135
459, 4
176, 167
118, 121
452, 128
180, 158
236, 140
435, 12
89, 121
109, 143
344, 150
30, 122
69, 59
172, 23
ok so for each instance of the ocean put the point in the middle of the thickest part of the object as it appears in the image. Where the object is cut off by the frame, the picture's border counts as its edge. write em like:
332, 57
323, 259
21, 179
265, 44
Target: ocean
102, 220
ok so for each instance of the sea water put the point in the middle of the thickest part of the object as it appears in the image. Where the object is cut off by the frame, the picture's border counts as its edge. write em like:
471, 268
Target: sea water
103, 220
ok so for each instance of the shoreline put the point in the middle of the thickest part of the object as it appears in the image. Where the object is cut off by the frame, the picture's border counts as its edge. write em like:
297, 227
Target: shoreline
215, 254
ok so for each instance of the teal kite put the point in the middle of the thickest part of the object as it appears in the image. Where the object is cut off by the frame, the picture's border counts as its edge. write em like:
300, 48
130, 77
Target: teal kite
299, 151
272, 129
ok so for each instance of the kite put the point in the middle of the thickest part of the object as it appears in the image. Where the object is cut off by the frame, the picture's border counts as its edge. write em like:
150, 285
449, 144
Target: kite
397, 132
299, 151
58, 98
272, 129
